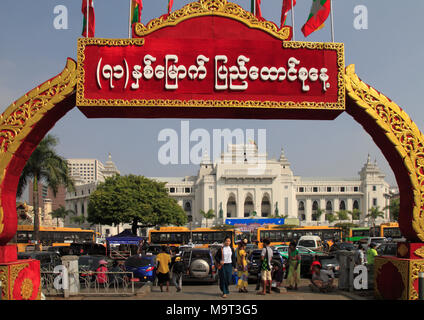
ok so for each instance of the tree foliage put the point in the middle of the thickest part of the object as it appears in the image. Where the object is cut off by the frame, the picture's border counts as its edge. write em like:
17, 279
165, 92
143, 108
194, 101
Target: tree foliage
135, 200
394, 209
207, 215
342, 215
61, 213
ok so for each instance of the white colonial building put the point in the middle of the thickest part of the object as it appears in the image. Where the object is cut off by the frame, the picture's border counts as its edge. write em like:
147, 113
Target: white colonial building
244, 183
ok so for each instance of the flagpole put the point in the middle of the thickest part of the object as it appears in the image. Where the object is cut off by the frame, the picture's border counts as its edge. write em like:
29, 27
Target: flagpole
332, 20
88, 15
129, 22
292, 14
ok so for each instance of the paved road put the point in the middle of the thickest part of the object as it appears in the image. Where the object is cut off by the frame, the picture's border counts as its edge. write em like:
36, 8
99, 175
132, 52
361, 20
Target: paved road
212, 292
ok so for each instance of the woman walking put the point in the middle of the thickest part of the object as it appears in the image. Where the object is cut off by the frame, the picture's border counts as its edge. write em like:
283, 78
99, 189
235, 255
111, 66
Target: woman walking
242, 266
226, 260
293, 277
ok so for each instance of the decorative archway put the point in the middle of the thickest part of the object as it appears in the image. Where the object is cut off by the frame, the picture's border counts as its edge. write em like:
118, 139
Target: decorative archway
26, 122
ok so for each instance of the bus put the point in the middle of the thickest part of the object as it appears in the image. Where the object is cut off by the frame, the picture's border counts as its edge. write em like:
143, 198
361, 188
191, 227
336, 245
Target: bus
279, 235
388, 230
357, 234
201, 237
53, 236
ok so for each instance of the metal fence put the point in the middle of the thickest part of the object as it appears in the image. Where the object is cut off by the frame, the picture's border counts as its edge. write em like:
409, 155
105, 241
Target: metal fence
89, 283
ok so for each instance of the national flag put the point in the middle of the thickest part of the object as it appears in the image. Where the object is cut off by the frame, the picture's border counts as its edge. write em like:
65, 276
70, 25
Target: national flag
258, 9
170, 4
88, 13
287, 6
136, 8
320, 11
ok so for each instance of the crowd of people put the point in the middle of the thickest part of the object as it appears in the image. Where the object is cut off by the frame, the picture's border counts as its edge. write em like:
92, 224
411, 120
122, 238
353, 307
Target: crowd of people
230, 261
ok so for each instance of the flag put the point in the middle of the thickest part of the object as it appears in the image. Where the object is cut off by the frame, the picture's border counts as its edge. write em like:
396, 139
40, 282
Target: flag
91, 18
320, 11
170, 4
136, 8
258, 9
287, 6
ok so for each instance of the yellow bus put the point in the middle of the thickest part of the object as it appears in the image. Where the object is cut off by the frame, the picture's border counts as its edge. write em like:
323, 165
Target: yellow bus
388, 230
201, 237
279, 235
52, 236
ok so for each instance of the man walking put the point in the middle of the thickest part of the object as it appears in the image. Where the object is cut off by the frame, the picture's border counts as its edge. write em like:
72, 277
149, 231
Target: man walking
359, 257
371, 254
163, 260
266, 258
177, 273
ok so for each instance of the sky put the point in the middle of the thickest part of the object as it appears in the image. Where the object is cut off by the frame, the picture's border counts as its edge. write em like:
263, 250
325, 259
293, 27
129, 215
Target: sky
388, 56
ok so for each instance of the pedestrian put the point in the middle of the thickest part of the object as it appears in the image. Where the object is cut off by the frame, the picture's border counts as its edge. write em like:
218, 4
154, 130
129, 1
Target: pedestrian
266, 267
101, 273
293, 277
359, 256
242, 267
226, 261
177, 273
315, 262
277, 277
322, 280
163, 260
371, 254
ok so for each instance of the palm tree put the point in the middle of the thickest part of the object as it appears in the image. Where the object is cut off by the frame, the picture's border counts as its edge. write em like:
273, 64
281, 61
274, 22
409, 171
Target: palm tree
330, 217
46, 166
393, 209
374, 213
78, 219
318, 213
61, 213
207, 215
342, 215
355, 214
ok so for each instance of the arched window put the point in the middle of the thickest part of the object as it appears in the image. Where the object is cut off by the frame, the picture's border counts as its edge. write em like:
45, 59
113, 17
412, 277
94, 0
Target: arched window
231, 206
187, 206
329, 207
314, 210
356, 204
342, 205
301, 209
248, 206
265, 206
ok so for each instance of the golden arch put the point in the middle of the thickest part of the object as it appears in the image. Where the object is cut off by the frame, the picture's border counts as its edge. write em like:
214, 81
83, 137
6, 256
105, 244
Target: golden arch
26, 121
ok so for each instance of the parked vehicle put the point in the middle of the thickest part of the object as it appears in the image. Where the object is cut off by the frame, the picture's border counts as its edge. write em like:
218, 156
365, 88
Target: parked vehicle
154, 249
387, 249
254, 262
376, 240
312, 242
143, 267
48, 260
87, 265
200, 265
284, 250
342, 246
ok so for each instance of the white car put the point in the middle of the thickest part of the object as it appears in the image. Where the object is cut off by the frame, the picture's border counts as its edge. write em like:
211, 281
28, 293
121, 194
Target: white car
376, 240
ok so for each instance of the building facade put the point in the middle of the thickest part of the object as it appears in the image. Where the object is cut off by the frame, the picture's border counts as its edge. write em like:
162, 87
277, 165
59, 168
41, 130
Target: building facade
244, 183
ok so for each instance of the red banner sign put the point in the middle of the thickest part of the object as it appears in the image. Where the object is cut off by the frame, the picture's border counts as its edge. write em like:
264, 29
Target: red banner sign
210, 71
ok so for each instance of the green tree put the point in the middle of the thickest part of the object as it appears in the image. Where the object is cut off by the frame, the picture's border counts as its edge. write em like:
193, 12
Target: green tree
61, 213
78, 219
134, 199
317, 215
342, 215
207, 215
394, 208
374, 214
355, 214
345, 227
47, 167
330, 217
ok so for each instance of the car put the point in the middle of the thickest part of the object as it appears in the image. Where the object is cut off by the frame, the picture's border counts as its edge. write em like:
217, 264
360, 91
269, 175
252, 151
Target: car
387, 249
284, 250
311, 242
48, 260
142, 266
376, 240
342, 246
200, 266
254, 262
154, 249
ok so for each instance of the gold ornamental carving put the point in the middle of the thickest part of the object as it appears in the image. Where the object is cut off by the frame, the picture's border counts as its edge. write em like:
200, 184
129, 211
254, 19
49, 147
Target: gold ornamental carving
401, 265
402, 132
4, 274
26, 289
221, 8
416, 266
19, 118
403, 250
420, 252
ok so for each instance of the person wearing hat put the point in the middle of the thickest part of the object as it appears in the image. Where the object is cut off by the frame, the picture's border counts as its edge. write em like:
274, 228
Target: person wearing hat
101, 272
242, 266
178, 269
